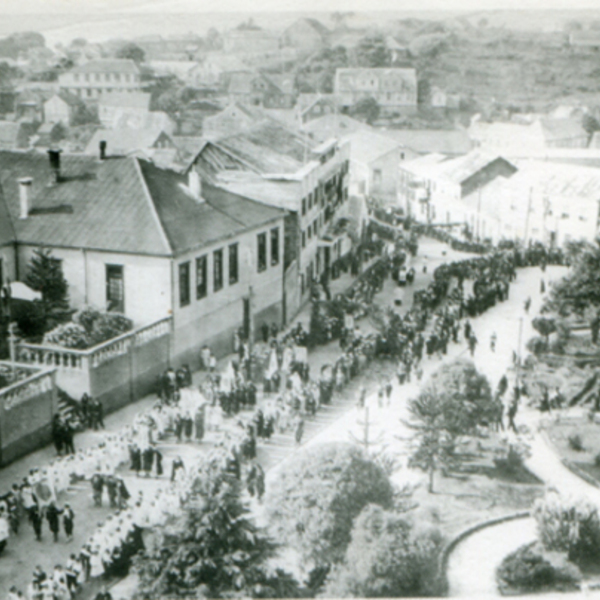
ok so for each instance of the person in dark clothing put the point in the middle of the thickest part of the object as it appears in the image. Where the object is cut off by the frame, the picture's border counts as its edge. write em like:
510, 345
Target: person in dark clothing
259, 481
147, 459
188, 426
36, 521
68, 519
103, 594
111, 488
97, 487
68, 434
136, 459
52, 516
84, 409
123, 493
158, 457
99, 411
57, 434
178, 427
177, 464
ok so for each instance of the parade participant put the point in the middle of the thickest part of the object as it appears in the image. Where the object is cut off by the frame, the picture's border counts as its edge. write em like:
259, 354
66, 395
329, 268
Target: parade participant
136, 458
67, 436
199, 423
57, 433
299, 430
472, 343
97, 483
39, 583
60, 587
362, 398
73, 569
158, 457
512, 412
122, 493
14, 593
68, 519
388, 392
52, 516
147, 460
84, 410
111, 487
188, 425
36, 522
493, 342
176, 466
527, 304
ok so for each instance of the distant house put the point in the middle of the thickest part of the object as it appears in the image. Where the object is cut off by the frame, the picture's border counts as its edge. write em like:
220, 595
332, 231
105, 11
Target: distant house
314, 106
393, 89
374, 161
256, 89
235, 118
213, 70
307, 35
47, 134
61, 108
521, 139
180, 68
17, 135
133, 107
98, 77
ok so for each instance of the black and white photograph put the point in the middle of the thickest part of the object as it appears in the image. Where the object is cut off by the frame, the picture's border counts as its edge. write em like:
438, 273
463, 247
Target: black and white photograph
299, 299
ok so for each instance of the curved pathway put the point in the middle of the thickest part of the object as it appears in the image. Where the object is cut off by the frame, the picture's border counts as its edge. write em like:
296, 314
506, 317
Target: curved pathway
472, 564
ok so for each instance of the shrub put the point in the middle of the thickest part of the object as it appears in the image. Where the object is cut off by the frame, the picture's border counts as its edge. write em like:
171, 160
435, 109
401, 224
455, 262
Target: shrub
537, 345
526, 570
576, 442
569, 526
100, 326
68, 335
510, 461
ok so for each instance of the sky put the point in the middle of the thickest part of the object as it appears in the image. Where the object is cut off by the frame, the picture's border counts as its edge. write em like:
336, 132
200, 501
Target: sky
103, 6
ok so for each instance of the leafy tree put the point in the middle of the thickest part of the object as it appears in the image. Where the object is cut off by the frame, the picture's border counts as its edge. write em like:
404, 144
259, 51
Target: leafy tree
131, 51
85, 115
579, 291
590, 123
366, 109
387, 557
453, 402
372, 51
45, 275
545, 327
314, 502
429, 45
214, 551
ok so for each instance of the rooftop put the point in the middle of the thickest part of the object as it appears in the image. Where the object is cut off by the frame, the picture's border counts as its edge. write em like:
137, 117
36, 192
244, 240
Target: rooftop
123, 141
108, 65
462, 168
123, 205
367, 146
333, 125
424, 141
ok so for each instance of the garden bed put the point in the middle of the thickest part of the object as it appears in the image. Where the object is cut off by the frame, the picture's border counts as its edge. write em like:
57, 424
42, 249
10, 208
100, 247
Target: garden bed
563, 438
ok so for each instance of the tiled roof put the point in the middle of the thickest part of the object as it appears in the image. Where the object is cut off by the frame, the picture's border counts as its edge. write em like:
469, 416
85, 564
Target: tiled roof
97, 205
190, 223
112, 65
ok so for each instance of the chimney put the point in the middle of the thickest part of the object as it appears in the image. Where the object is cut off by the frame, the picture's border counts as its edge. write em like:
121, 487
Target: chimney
102, 147
54, 157
195, 184
24, 185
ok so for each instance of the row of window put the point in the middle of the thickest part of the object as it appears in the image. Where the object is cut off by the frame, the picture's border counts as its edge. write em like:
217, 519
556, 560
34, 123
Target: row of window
312, 229
91, 92
87, 77
201, 265
312, 199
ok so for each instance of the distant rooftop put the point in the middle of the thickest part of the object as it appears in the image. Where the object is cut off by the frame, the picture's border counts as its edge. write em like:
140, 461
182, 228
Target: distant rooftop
108, 65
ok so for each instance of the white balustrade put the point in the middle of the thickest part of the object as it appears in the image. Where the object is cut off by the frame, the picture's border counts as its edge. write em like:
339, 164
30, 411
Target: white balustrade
21, 391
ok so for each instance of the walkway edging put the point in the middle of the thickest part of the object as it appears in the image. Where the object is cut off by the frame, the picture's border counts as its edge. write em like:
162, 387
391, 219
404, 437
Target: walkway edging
451, 545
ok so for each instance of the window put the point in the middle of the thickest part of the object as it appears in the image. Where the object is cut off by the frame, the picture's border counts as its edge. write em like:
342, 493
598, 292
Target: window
275, 246
115, 292
310, 201
377, 178
117, 77
310, 232
201, 283
261, 239
184, 284
303, 206
233, 264
304, 239
217, 270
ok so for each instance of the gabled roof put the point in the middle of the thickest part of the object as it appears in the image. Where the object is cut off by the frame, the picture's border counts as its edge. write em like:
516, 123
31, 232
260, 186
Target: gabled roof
459, 170
96, 205
333, 125
67, 97
108, 65
123, 141
284, 83
138, 100
367, 146
190, 223
241, 82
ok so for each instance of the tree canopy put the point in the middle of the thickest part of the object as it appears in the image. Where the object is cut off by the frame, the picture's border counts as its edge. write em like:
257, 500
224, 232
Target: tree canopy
315, 500
387, 557
580, 288
453, 402
131, 51
214, 550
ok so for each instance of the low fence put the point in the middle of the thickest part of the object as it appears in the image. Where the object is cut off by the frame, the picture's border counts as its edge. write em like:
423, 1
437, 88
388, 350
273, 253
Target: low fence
116, 372
26, 410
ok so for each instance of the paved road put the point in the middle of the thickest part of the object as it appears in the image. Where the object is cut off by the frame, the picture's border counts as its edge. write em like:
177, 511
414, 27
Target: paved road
472, 566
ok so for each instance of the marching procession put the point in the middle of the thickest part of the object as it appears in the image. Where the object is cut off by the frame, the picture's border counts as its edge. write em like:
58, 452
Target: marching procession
242, 413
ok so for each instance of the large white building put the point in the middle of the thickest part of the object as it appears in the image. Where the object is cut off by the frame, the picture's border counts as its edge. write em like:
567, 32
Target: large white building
98, 77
